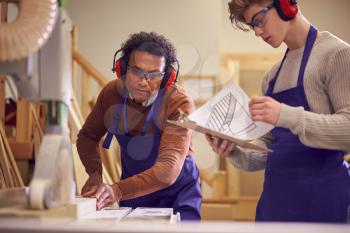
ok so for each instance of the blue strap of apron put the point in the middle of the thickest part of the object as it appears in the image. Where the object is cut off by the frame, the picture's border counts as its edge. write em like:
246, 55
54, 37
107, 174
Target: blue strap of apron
125, 125
311, 37
154, 108
272, 82
145, 126
108, 139
124, 115
107, 142
149, 115
157, 105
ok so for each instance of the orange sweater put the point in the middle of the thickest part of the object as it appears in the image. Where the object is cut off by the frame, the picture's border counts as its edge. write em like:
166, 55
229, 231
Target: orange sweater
175, 142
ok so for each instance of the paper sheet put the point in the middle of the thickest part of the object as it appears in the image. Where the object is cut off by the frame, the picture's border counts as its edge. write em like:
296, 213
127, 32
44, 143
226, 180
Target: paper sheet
151, 212
107, 213
227, 112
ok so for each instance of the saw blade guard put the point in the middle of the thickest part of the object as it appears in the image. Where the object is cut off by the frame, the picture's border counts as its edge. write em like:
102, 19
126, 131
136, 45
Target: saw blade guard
53, 182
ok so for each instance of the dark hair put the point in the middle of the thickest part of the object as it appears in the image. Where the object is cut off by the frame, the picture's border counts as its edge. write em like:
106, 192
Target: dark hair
152, 43
236, 9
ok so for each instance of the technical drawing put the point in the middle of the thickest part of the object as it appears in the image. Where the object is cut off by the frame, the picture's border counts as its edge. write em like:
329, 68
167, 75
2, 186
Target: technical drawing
229, 117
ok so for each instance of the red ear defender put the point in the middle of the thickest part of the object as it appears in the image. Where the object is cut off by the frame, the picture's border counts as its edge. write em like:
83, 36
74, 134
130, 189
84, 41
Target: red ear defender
286, 9
172, 78
120, 65
117, 68
169, 77
120, 68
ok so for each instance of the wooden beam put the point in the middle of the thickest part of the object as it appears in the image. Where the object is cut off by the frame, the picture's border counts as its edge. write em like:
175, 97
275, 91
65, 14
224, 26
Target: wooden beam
231, 199
2, 180
252, 61
24, 121
4, 9
13, 164
90, 69
85, 87
36, 121
74, 33
77, 109
22, 150
2, 99
5, 164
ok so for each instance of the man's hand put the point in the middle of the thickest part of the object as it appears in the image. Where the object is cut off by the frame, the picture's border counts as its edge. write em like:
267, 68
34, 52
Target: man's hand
90, 187
265, 109
222, 147
107, 195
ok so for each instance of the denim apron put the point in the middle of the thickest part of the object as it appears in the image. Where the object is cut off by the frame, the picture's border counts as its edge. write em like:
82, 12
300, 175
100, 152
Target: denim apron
302, 184
140, 152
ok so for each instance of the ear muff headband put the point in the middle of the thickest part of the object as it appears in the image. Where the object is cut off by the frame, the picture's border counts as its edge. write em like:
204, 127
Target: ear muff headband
286, 9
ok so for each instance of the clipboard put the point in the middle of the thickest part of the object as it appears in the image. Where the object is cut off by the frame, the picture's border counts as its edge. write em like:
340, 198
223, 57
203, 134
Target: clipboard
185, 122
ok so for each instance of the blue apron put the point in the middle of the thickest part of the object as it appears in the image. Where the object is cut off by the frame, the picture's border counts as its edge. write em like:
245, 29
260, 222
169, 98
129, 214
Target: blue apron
302, 184
140, 152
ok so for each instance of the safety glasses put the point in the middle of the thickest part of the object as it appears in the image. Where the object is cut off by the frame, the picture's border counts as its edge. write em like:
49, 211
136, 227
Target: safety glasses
143, 74
258, 18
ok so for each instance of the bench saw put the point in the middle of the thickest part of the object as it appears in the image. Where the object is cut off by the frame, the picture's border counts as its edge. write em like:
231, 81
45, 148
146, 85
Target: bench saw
35, 51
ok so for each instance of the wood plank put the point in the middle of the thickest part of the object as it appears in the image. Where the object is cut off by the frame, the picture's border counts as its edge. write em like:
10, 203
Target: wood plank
14, 178
36, 143
79, 208
80, 174
40, 112
36, 121
11, 158
22, 150
2, 180
89, 69
5, 164
233, 181
25, 168
38, 133
231, 199
253, 61
74, 33
10, 131
24, 121
77, 109
2, 99
216, 181
217, 212
85, 87
4, 9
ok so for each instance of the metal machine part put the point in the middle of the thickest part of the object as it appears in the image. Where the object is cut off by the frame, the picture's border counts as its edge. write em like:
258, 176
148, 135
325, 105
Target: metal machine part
28, 32
52, 184
44, 75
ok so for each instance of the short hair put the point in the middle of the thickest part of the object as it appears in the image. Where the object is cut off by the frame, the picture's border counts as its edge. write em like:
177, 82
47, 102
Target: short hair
236, 9
152, 43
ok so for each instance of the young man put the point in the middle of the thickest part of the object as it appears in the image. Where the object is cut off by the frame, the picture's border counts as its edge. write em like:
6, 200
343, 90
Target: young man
307, 99
157, 167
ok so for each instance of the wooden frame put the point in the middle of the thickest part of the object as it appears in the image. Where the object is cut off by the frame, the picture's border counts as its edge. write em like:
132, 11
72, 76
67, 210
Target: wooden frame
199, 87
2, 100
248, 69
251, 61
